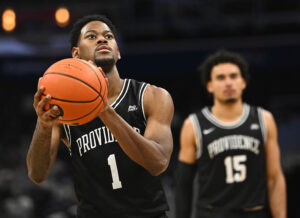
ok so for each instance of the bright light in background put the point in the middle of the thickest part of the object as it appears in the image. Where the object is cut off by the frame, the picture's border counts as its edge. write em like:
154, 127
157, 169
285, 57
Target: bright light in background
62, 16
8, 20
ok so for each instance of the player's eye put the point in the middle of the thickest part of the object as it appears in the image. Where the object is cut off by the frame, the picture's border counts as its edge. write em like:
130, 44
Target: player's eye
109, 36
91, 36
220, 77
233, 75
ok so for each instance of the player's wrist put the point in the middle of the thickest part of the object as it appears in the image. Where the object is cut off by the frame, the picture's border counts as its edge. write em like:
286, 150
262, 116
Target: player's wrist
105, 109
44, 125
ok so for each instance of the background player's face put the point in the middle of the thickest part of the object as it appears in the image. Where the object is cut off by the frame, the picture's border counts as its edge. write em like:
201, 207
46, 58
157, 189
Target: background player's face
227, 83
97, 43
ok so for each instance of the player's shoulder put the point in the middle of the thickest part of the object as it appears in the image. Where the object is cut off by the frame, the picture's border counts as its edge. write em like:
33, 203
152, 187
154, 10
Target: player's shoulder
155, 93
158, 99
152, 89
268, 117
188, 122
266, 114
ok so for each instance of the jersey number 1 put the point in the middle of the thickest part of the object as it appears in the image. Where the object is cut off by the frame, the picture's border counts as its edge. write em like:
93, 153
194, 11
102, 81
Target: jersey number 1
236, 170
116, 184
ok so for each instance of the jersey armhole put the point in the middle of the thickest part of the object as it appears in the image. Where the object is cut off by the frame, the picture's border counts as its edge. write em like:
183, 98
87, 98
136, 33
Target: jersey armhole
68, 133
262, 123
141, 99
198, 135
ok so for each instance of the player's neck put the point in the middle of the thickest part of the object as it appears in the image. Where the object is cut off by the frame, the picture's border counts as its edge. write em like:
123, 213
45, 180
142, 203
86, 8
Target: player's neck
228, 112
115, 85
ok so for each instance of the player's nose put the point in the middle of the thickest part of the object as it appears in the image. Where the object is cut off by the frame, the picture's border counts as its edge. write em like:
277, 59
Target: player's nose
101, 39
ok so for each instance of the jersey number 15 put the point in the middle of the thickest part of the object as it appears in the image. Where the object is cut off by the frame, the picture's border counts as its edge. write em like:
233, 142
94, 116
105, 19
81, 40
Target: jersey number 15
236, 170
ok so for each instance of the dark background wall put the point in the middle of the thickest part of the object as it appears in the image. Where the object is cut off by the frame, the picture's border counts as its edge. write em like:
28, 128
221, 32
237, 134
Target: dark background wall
162, 42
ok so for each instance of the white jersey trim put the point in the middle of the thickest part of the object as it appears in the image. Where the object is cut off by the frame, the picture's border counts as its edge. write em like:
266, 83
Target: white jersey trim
197, 131
141, 97
220, 124
122, 94
68, 134
262, 123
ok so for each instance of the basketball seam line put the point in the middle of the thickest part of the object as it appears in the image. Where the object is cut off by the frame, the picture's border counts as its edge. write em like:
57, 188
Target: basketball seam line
97, 78
75, 79
85, 114
63, 100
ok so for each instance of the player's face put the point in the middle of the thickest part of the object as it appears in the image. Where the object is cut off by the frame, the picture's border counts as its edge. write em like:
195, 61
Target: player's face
227, 83
97, 43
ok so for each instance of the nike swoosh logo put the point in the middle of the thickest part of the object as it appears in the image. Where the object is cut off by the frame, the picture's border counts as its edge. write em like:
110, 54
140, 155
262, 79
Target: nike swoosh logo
207, 131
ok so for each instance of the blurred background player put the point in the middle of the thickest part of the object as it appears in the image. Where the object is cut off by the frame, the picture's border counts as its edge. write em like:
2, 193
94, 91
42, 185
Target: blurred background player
234, 149
117, 157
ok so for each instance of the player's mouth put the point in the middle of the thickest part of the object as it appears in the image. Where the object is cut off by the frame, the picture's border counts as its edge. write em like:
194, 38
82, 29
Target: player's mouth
103, 48
229, 91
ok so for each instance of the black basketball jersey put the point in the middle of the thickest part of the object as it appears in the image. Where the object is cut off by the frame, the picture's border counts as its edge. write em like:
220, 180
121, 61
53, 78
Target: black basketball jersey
107, 182
230, 160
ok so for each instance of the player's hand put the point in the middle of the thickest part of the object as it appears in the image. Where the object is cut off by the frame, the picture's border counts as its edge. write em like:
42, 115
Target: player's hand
45, 118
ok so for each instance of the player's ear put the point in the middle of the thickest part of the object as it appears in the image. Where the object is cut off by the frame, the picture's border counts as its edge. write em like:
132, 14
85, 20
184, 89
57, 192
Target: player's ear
209, 87
244, 85
75, 52
119, 54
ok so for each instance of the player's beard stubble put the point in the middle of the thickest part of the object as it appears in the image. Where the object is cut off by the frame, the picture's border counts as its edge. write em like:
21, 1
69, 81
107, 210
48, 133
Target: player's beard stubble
105, 63
230, 100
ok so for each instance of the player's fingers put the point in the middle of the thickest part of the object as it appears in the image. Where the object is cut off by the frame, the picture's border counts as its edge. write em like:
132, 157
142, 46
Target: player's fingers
41, 104
48, 116
37, 96
91, 62
55, 111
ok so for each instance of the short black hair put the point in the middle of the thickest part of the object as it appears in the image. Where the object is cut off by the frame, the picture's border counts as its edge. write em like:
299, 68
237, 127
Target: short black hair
77, 26
222, 56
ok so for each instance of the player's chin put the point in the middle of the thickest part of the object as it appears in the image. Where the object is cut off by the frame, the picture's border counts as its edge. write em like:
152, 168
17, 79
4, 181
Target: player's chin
104, 61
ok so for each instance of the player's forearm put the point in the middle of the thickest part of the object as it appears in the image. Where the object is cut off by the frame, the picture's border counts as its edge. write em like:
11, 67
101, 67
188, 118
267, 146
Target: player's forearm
38, 156
147, 153
277, 196
184, 189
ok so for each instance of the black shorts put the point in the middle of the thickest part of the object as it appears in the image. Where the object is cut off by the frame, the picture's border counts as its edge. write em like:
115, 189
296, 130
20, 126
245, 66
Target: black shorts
210, 213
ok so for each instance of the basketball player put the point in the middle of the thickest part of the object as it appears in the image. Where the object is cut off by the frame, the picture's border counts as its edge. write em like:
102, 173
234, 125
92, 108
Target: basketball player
234, 149
117, 157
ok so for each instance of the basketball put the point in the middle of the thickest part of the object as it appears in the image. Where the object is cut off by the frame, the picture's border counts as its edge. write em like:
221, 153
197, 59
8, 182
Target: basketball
77, 88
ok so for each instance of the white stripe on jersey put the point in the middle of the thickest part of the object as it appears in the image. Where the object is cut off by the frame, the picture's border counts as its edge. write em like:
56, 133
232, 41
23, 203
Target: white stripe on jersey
197, 130
262, 123
141, 97
122, 94
223, 125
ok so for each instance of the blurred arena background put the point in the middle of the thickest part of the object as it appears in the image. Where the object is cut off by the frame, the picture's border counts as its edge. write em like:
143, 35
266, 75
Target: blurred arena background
162, 42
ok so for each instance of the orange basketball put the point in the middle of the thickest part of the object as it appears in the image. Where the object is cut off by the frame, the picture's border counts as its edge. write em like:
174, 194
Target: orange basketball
77, 88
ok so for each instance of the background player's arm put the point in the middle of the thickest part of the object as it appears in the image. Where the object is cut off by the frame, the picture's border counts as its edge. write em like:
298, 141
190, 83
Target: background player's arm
153, 150
187, 152
44, 144
186, 170
275, 178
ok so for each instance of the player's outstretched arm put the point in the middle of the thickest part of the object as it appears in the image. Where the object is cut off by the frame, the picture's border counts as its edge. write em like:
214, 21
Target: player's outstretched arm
275, 178
44, 144
186, 170
153, 150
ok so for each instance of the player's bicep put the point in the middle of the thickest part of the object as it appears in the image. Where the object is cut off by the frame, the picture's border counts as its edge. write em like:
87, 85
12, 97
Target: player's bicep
159, 110
187, 152
271, 146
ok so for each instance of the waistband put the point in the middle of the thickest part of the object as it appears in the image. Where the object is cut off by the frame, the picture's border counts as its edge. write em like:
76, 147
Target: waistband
255, 208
